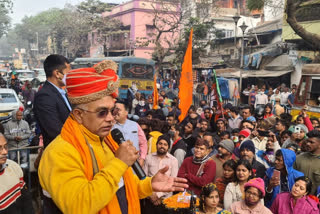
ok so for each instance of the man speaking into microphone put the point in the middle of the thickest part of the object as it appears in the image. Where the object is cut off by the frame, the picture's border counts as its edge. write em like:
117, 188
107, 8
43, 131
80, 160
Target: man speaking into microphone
84, 170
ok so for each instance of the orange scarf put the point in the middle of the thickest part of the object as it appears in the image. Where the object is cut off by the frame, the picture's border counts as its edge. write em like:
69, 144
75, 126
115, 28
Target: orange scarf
71, 132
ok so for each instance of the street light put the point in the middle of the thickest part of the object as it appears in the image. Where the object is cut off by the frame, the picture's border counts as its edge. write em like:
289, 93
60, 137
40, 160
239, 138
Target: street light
235, 19
243, 28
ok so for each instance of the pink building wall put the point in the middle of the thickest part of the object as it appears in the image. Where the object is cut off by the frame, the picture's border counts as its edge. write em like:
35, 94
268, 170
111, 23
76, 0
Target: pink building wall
138, 14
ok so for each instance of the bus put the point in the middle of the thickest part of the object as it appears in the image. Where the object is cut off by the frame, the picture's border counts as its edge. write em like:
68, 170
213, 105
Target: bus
308, 93
130, 69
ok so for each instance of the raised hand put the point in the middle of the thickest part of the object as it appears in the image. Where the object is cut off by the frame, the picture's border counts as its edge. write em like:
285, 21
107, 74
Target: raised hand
163, 183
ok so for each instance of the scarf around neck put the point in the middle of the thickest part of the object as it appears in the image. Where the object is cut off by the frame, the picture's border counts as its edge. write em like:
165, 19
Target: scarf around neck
72, 132
200, 161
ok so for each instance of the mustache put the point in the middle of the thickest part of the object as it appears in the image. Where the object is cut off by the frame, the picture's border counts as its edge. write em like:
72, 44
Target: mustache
4, 156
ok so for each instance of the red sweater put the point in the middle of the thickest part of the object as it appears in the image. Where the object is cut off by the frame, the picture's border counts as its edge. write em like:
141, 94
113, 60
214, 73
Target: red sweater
189, 170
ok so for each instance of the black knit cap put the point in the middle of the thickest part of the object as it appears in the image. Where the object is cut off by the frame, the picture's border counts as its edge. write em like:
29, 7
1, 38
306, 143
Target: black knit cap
248, 144
166, 138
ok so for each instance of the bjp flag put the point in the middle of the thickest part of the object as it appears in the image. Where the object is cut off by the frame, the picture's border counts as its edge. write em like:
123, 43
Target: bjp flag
186, 81
155, 93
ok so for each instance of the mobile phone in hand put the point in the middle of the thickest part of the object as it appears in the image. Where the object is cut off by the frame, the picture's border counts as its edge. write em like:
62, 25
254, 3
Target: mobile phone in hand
276, 173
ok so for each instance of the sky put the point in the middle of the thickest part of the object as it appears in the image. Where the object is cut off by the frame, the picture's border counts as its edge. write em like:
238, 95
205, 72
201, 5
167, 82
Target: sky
23, 8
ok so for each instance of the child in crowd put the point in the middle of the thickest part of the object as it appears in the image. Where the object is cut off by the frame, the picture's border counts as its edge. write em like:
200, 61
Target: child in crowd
229, 173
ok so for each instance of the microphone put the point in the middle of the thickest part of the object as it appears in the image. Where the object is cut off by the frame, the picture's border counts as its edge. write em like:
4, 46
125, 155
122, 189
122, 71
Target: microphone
118, 137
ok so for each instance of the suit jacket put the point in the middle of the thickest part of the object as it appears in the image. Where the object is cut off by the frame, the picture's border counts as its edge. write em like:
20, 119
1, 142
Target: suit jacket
51, 112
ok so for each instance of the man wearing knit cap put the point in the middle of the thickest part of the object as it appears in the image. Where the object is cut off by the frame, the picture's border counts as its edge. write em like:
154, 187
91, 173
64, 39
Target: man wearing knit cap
247, 152
243, 135
84, 170
225, 152
254, 193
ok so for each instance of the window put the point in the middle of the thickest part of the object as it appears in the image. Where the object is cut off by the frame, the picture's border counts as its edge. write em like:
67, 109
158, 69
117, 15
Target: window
315, 92
7, 98
229, 33
150, 31
231, 52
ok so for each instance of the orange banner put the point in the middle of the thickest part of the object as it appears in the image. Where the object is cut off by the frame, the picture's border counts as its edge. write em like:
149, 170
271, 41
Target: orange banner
186, 81
155, 93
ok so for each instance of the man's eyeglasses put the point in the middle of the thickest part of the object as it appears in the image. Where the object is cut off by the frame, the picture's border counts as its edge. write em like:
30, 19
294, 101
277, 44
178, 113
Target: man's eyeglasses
104, 112
5, 147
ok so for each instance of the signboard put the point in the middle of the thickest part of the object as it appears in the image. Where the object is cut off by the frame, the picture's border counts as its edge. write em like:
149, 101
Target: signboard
293, 54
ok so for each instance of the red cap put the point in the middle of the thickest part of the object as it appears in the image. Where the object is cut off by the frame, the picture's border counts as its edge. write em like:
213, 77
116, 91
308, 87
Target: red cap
245, 132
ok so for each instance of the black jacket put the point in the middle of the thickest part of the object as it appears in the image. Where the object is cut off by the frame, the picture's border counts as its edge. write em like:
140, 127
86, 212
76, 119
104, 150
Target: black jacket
259, 168
51, 112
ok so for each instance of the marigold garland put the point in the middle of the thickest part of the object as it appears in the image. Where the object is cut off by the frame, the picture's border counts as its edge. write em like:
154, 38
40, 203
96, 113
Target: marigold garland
172, 202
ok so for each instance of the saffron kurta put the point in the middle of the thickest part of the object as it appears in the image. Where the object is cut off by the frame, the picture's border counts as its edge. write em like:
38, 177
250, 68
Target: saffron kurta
61, 174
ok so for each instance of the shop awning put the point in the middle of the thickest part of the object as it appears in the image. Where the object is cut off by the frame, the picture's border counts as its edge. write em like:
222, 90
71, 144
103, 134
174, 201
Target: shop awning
253, 73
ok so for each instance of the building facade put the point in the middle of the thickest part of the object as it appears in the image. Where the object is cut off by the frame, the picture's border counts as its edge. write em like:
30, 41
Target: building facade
142, 20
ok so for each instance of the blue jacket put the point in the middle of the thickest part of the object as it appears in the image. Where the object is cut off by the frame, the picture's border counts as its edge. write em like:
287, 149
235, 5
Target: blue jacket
289, 157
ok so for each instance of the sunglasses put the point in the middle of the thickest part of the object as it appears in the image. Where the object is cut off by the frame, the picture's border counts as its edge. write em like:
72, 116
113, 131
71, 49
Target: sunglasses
104, 112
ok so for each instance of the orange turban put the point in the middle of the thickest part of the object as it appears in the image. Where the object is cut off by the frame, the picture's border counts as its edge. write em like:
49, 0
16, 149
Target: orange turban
86, 85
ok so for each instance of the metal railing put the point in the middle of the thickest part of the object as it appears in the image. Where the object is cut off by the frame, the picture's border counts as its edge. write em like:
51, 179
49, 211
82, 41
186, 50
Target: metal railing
30, 159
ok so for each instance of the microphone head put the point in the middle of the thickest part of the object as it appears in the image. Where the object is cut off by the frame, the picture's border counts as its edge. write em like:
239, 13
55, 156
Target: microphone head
117, 136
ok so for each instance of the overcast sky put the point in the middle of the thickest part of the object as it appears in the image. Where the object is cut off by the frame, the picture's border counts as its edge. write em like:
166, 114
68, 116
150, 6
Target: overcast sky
22, 8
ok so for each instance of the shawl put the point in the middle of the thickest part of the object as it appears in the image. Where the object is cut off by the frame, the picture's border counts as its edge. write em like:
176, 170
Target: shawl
73, 134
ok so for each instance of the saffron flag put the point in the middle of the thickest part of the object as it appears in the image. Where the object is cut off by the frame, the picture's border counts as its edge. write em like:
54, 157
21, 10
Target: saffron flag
186, 81
155, 93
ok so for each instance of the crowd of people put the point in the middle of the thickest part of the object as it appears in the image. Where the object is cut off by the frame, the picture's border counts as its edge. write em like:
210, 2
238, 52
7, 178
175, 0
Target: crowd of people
281, 98
228, 150
234, 159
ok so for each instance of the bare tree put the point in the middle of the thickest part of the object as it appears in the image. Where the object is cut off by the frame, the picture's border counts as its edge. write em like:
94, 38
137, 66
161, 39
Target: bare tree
291, 9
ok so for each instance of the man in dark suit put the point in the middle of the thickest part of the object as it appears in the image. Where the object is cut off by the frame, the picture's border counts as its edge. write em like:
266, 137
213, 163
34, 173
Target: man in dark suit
51, 105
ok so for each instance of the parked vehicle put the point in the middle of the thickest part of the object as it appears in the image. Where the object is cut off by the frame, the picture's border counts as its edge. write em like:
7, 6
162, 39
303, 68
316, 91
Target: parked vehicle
23, 75
130, 69
308, 93
9, 102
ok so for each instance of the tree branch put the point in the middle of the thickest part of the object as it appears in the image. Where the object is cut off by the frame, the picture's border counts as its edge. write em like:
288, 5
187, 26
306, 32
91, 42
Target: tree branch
312, 38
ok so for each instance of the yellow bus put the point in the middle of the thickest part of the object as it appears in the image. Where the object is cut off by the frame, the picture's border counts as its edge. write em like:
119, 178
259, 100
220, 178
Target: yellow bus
130, 69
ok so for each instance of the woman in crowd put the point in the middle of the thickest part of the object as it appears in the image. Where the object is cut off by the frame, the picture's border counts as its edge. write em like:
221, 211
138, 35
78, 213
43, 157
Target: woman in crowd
229, 173
299, 119
235, 190
209, 200
281, 177
315, 122
267, 110
254, 193
296, 201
